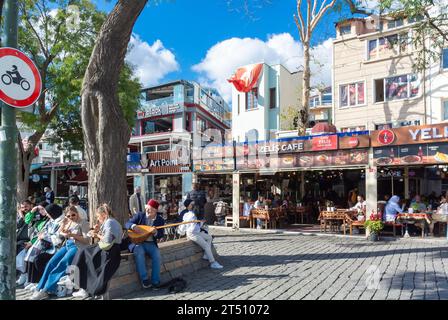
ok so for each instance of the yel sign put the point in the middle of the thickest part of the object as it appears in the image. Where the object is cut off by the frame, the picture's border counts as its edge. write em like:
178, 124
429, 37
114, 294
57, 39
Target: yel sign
20, 82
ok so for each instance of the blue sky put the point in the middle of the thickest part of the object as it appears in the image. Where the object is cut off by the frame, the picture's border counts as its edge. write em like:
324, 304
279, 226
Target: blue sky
189, 29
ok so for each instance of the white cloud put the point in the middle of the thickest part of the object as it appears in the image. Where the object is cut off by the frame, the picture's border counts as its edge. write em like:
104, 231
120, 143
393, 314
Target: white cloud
225, 57
152, 62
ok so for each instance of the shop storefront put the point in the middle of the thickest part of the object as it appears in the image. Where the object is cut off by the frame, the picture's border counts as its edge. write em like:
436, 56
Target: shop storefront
213, 166
165, 176
411, 160
301, 169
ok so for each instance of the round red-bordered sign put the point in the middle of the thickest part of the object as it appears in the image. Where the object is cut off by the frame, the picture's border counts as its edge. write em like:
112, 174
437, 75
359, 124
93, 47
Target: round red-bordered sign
386, 137
19, 87
353, 142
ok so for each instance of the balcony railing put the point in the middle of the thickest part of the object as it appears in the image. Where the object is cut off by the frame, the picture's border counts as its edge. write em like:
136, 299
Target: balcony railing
158, 102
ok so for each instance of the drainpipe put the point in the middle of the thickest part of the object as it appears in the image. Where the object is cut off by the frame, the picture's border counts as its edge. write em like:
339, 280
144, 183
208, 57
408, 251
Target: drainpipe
424, 90
333, 90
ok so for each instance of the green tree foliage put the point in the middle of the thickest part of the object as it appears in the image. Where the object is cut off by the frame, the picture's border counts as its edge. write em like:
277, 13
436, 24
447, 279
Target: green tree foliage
59, 35
430, 31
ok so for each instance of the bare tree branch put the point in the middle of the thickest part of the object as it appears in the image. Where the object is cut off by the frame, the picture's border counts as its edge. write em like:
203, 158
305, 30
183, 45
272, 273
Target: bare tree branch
444, 34
27, 18
314, 8
320, 14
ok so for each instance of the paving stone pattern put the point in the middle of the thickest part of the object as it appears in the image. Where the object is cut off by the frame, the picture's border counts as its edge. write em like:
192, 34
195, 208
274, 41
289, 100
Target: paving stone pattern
290, 266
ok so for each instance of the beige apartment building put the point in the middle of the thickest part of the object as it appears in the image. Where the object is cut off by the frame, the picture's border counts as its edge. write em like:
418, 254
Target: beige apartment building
374, 84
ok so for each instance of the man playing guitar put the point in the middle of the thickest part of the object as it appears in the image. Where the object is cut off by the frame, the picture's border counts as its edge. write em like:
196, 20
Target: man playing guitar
149, 218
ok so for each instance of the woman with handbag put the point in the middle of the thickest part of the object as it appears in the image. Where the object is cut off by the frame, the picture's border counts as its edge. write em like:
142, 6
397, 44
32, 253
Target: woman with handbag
73, 232
97, 263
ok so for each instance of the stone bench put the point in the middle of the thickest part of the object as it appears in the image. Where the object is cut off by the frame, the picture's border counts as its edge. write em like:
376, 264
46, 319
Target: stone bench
179, 257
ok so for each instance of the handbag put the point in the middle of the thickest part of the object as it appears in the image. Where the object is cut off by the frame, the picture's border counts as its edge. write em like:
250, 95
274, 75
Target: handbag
20, 261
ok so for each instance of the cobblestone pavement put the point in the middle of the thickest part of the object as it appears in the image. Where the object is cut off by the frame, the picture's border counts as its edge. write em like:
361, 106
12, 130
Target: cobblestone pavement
291, 266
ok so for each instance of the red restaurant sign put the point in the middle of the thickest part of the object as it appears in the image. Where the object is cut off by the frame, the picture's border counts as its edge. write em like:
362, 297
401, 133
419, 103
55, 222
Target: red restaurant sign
324, 143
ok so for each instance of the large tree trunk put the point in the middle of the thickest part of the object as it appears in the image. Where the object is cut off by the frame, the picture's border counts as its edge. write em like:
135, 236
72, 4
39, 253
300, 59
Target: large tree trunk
23, 173
105, 129
25, 158
304, 106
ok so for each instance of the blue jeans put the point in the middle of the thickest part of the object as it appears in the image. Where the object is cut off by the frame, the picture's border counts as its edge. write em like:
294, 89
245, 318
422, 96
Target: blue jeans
152, 250
57, 267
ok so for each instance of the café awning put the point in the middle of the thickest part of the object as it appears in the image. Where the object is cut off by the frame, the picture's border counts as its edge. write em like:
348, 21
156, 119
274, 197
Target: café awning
80, 179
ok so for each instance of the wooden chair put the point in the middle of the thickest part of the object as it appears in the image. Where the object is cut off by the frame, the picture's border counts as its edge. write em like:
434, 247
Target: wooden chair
263, 215
394, 228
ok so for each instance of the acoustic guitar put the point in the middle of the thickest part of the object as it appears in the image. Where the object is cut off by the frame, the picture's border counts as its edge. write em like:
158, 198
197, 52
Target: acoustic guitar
146, 231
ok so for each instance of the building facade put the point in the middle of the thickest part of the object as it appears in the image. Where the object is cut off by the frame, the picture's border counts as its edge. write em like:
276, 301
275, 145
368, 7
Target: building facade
374, 82
263, 110
160, 147
321, 106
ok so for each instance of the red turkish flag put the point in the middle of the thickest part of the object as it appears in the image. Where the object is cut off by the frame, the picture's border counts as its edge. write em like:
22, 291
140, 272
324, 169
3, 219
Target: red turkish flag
245, 78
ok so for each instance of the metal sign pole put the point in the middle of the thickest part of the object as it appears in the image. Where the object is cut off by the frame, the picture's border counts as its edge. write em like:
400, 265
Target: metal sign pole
8, 170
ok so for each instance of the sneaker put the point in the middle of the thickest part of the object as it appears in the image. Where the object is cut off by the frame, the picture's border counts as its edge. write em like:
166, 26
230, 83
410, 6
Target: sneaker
40, 295
22, 279
155, 287
146, 284
81, 293
216, 265
31, 287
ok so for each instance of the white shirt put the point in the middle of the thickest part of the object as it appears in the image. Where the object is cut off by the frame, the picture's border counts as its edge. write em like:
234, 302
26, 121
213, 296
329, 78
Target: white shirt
359, 206
259, 205
191, 228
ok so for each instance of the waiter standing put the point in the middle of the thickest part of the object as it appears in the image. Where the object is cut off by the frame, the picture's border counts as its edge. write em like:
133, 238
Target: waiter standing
136, 201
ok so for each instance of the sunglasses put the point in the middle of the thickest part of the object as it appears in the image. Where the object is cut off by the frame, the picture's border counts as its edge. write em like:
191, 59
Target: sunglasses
71, 216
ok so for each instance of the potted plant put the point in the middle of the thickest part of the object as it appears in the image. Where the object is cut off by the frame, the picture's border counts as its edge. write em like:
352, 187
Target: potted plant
374, 225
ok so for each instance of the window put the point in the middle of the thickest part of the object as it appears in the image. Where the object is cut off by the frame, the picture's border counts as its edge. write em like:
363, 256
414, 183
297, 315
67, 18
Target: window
187, 121
272, 98
149, 149
352, 94
314, 101
201, 125
388, 46
445, 58
353, 129
395, 23
345, 30
445, 110
252, 99
415, 18
158, 125
396, 88
163, 147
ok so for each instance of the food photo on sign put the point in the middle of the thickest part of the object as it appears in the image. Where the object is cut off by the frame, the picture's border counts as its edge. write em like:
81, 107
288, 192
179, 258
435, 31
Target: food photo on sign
411, 154
386, 156
438, 153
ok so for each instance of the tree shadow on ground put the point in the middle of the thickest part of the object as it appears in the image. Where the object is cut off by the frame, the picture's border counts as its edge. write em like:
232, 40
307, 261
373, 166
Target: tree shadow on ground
421, 285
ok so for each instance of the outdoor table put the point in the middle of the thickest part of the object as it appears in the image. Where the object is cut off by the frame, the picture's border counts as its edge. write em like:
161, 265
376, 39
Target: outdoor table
326, 216
302, 210
410, 218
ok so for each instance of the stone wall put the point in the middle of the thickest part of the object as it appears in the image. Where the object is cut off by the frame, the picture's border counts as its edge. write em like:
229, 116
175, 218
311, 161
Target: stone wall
179, 257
